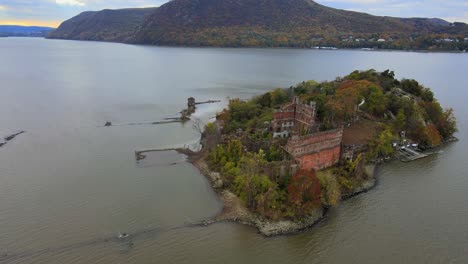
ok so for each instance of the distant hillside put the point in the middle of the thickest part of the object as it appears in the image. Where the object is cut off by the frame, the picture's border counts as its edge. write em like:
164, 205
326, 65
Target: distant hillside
22, 31
264, 23
106, 25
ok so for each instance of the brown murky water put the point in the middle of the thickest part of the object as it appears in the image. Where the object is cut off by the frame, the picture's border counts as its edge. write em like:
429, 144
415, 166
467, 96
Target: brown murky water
68, 185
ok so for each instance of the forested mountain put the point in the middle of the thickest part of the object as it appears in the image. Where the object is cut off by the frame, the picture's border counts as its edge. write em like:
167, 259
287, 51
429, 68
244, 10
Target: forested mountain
106, 25
266, 23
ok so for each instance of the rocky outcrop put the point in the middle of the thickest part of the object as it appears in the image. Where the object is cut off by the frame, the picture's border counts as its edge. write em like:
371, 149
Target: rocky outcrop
364, 185
269, 228
235, 211
216, 180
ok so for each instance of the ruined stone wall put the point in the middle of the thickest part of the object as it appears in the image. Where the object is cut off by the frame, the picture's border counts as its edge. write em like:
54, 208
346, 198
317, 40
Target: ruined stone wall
320, 160
317, 151
305, 114
299, 146
283, 121
295, 116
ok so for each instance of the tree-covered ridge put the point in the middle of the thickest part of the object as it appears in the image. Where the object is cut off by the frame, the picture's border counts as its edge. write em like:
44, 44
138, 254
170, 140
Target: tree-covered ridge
253, 164
262, 23
106, 25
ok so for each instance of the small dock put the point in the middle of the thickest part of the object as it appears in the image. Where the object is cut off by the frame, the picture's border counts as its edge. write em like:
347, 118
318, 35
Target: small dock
407, 155
184, 115
140, 154
208, 102
192, 106
165, 121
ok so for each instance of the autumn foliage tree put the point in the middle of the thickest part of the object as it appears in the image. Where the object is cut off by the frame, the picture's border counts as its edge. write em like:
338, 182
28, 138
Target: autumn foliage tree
304, 192
433, 135
343, 105
447, 124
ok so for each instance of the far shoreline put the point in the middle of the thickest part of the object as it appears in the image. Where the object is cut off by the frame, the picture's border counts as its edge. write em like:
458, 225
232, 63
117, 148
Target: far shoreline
259, 48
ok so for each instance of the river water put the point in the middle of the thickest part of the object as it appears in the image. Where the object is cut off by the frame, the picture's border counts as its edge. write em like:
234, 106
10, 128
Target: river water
69, 185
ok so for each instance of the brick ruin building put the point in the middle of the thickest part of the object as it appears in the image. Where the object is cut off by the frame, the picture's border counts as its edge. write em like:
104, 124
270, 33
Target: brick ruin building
310, 150
316, 151
295, 117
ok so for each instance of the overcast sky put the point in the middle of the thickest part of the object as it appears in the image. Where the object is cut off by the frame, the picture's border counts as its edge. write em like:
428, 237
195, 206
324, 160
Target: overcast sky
52, 12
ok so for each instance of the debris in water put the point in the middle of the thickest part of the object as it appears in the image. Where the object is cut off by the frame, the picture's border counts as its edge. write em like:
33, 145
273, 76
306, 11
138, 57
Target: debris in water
11, 137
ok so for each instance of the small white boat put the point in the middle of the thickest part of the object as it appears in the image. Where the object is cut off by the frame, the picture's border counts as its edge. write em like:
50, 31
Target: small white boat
122, 235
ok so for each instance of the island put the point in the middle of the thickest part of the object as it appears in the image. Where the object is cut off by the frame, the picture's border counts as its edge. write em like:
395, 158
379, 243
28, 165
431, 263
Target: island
279, 161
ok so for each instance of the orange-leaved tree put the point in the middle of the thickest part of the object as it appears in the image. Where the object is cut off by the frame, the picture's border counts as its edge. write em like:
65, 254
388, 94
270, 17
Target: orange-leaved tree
304, 192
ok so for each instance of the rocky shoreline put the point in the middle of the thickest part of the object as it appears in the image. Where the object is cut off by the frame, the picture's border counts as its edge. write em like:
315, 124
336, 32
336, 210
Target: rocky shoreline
234, 210
365, 186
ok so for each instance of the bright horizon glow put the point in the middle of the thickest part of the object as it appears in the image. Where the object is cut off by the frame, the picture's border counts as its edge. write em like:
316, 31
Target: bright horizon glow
27, 23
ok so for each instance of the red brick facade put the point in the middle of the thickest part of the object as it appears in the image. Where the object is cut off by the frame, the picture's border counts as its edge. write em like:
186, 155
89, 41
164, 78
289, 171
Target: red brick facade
320, 160
316, 151
294, 117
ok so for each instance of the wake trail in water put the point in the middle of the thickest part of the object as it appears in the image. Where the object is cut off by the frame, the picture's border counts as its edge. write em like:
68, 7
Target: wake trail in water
128, 242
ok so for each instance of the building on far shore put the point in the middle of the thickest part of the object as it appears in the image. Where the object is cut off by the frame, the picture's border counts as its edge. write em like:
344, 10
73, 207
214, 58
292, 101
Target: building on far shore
295, 117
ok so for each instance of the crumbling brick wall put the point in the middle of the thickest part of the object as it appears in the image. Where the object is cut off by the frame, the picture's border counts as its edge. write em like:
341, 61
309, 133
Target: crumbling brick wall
316, 151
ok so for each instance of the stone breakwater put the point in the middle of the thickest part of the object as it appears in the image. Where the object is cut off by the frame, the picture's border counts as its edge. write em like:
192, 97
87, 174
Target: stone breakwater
10, 137
235, 211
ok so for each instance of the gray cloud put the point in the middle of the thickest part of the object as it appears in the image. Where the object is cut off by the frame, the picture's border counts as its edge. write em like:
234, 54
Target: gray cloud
451, 10
59, 10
